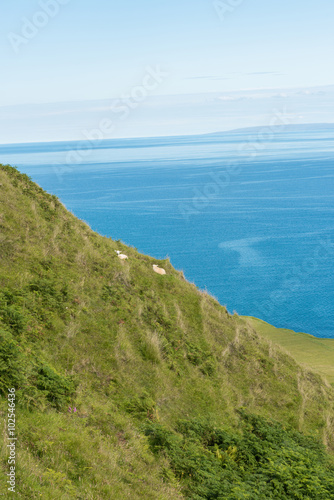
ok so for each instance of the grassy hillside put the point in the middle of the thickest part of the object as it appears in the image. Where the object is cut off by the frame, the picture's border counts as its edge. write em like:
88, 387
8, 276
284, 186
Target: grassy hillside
174, 396
309, 351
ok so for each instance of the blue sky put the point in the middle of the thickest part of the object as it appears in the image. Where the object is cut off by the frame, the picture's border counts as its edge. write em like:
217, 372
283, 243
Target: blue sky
99, 49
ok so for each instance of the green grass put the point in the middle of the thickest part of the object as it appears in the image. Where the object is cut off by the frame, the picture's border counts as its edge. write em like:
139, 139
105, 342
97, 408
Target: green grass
312, 352
267, 461
128, 348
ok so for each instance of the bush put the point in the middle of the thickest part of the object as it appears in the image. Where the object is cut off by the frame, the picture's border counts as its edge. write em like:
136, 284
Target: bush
54, 295
10, 314
140, 406
57, 388
11, 363
266, 460
13, 318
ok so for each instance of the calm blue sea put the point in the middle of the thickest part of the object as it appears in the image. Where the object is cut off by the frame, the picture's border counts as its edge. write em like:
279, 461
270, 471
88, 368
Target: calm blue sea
246, 215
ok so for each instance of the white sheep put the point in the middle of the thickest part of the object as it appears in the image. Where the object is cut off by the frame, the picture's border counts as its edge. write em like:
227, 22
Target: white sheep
122, 256
158, 269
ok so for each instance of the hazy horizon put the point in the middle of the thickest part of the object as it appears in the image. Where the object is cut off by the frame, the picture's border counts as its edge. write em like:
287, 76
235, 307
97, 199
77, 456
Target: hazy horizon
161, 116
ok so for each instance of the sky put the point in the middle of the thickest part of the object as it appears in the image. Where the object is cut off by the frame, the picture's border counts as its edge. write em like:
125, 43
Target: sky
56, 51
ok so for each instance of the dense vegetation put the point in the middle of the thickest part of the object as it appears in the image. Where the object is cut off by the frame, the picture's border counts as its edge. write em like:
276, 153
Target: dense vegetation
265, 461
156, 369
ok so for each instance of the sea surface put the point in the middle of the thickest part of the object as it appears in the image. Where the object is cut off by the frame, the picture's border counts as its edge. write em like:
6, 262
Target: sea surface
247, 215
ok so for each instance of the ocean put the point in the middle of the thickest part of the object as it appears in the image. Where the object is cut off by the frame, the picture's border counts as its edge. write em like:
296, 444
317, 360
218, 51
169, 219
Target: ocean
247, 215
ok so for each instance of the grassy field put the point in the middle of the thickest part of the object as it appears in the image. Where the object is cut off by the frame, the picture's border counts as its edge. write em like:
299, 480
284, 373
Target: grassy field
160, 375
312, 352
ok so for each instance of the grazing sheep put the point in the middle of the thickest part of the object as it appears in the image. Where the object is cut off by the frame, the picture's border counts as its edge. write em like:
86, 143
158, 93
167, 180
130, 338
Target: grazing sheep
158, 270
122, 256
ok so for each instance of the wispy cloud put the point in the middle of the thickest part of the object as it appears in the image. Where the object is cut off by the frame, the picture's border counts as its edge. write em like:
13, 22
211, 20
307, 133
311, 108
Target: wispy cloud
264, 73
229, 76
207, 78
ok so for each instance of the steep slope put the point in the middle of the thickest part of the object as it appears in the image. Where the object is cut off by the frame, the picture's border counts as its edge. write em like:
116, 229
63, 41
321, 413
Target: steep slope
313, 352
136, 353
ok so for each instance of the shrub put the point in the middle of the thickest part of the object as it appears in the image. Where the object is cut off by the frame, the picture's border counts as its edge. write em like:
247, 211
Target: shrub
54, 295
10, 313
266, 460
13, 318
140, 406
57, 388
11, 362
